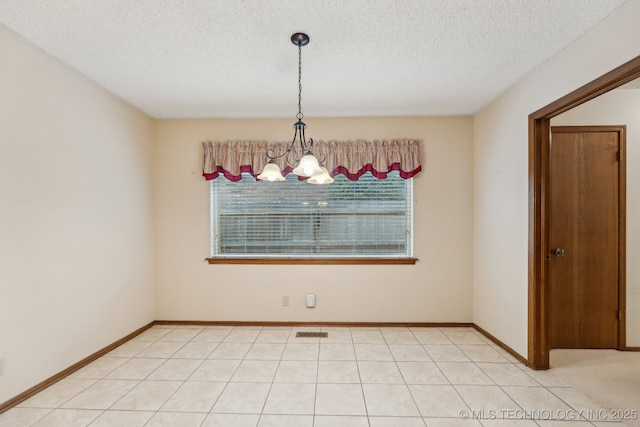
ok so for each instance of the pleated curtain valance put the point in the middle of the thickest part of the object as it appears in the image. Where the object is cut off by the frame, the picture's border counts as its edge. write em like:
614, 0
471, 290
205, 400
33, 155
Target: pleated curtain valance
350, 158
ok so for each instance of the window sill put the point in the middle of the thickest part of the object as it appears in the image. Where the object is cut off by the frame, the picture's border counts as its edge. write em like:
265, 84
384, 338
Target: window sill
323, 261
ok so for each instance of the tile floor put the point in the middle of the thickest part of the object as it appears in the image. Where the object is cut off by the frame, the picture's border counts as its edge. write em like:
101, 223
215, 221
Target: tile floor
264, 376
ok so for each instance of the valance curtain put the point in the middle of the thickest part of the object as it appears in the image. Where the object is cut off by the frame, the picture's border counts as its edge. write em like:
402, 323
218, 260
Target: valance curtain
350, 158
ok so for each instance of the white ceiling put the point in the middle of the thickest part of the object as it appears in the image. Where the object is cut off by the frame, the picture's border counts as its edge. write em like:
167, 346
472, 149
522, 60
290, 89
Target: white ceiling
234, 58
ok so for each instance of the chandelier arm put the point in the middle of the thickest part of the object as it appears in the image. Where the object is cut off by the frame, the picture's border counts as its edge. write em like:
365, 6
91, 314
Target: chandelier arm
321, 158
271, 154
303, 142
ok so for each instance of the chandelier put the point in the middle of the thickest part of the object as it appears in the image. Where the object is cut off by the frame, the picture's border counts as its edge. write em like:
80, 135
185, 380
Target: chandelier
308, 166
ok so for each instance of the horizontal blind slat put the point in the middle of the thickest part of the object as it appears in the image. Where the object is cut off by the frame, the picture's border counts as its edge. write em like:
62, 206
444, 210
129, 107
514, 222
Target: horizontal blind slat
292, 218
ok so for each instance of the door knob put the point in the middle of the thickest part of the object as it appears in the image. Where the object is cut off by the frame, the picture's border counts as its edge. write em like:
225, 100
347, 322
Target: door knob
559, 252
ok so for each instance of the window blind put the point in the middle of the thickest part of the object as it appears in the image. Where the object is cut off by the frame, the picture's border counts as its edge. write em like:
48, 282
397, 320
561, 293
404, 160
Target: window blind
369, 217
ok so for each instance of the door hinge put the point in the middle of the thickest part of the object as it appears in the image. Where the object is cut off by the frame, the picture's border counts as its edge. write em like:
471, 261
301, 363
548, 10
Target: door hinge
618, 155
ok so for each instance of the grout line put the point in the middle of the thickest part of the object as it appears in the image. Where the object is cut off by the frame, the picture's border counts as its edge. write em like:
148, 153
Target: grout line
364, 398
315, 396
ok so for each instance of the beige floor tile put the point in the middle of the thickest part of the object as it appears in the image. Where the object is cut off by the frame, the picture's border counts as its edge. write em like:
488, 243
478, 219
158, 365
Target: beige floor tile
100, 368
181, 334
195, 396
556, 423
400, 336
274, 336
135, 369
20, 417
338, 371
242, 335
195, 350
297, 371
422, 373
340, 421
68, 418
265, 351
464, 337
211, 335
292, 399
335, 335
230, 351
228, 420
293, 339
408, 353
489, 400
215, 370
339, 399
445, 353
545, 378
153, 334
509, 423
609, 424
535, 398
582, 406
364, 336
129, 349
336, 351
379, 372
294, 351
379, 352
176, 419
451, 422
161, 349
122, 418
242, 398
431, 336
175, 369
286, 421
507, 374
464, 373
256, 371
101, 395
58, 393
438, 401
482, 353
148, 396
389, 400
396, 422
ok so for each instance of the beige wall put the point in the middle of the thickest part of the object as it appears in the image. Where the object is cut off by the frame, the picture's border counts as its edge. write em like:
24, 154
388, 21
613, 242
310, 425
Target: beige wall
501, 165
621, 107
437, 288
76, 249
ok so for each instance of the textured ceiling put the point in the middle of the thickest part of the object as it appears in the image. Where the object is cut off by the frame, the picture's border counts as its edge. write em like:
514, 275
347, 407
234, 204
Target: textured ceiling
234, 58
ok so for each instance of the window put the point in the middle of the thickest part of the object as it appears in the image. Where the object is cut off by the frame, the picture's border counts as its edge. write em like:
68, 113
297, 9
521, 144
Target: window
365, 218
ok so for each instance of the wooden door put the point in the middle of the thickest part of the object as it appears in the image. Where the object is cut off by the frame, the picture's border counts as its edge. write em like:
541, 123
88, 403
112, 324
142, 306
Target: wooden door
585, 236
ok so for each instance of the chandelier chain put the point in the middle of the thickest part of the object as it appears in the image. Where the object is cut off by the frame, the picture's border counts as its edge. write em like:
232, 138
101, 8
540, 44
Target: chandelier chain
299, 116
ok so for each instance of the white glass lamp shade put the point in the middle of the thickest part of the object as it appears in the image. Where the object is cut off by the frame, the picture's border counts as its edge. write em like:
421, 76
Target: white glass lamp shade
271, 172
321, 177
308, 165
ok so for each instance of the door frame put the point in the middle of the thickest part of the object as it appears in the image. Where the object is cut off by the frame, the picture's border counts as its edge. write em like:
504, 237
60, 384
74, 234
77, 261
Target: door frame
539, 137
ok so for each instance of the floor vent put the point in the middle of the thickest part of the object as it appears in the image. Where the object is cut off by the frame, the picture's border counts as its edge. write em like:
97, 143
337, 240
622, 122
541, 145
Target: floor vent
312, 334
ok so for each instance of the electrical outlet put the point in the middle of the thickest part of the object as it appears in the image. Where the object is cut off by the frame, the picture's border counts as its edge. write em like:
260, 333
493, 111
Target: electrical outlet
1, 366
285, 301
